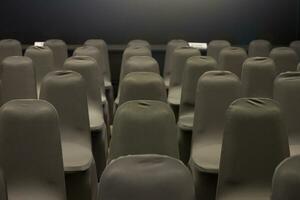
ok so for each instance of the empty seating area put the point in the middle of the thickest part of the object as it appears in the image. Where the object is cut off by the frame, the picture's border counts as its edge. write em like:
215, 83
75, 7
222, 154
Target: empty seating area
215, 123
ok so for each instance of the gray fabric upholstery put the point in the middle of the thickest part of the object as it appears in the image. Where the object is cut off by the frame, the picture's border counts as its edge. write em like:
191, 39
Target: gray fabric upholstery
146, 177
60, 51
30, 151
43, 62
139, 42
258, 74
195, 67
232, 59
18, 79
254, 143
216, 90
287, 93
286, 180
10, 47
66, 91
296, 46
171, 46
259, 48
215, 46
142, 86
178, 62
285, 58
150, 124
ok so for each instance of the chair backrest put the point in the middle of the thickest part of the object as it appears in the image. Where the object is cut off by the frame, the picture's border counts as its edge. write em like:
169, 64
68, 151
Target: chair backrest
30, 149
258, 74
18, 79
232, 59
139, 42
254, 143
259, 48
142, 86
146, 177
286, 180
178, 63
10, 47
285, 58
151, 124
215, 47
296, 46
171, 46
195, 67
60, 51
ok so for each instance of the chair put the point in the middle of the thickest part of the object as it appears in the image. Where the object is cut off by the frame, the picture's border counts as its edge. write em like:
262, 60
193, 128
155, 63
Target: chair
146, 177
10, 47
87, 67
232, 59
139, 42
60, 51
258, 74
151, 124
259, 48
43, 62
215, 46
216, 90
296, 46
254, 143
18, 79
195, 67
171, 46
66, 91
30, 152
285, 58
178, 63
137, 64
286, 180
142, 86
287, 93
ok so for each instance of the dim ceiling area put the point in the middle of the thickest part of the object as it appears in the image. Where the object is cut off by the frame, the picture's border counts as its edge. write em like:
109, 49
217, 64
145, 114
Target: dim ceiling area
157, 21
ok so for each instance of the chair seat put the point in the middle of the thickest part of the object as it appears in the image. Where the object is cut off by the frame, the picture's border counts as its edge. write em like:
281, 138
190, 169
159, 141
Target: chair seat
247, 193
76, 157
167, 81
96, 118
186, 121
174, 95
294, 143
107, 83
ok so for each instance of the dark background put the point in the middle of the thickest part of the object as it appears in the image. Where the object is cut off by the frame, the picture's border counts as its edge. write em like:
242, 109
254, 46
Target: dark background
157, 21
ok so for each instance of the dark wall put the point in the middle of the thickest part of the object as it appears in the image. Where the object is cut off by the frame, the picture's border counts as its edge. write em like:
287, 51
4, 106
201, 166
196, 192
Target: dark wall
158, 21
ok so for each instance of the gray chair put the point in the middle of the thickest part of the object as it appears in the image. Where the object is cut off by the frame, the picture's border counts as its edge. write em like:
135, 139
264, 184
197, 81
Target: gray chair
287, 93
139, 42
286, 180
43, 62
258, 74
3, 188
151, 124
171, 46
296, 46
87, 67
285, 58
216, 90
10, 47
137, 64
142, 86
195, 67
60, 51
298, 67
146, 177
232, 59
178, 63
30, 151
215, 47
66, 91
259, 48
18, 79
254, 143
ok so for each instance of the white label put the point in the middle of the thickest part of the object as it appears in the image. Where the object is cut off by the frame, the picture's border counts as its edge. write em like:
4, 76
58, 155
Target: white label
39, 44
197, 45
